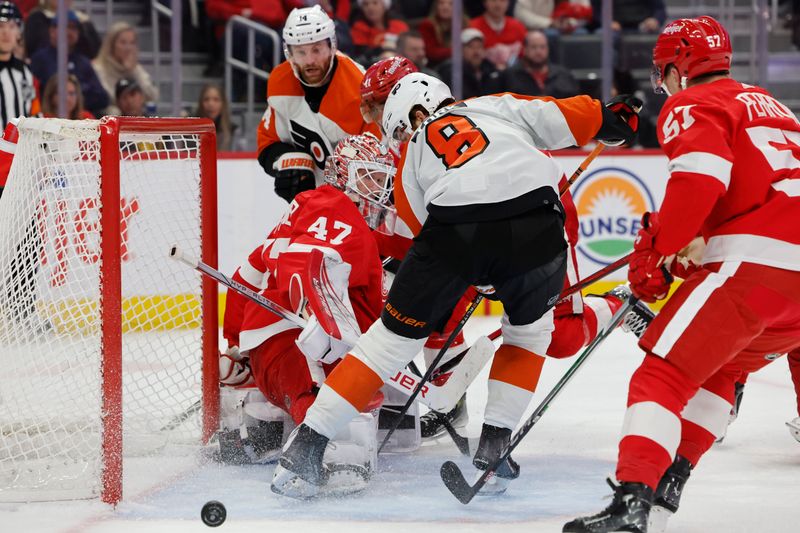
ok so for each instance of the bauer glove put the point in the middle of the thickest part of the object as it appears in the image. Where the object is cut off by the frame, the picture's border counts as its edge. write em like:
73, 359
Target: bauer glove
620, 120
294, 173
648, 276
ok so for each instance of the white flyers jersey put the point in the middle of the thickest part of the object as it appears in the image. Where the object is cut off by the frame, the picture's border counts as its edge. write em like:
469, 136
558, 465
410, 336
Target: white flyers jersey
481, 159
290, 119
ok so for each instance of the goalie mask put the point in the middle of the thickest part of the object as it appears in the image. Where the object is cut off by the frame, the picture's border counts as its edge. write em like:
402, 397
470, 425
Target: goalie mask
363, 168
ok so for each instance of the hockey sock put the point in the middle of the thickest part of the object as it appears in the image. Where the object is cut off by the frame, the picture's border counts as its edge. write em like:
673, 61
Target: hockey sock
512, 379
651, 430
706, 415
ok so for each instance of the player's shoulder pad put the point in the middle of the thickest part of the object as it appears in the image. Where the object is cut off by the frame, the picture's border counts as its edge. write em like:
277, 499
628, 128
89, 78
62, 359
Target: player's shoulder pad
283, 82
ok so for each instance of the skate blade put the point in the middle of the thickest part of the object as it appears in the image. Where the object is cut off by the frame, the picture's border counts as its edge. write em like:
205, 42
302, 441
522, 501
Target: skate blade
494, 485
287, 483
657, 521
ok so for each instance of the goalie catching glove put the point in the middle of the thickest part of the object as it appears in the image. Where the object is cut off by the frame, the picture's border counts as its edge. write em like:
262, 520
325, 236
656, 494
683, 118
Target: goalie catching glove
234, 368
294, 173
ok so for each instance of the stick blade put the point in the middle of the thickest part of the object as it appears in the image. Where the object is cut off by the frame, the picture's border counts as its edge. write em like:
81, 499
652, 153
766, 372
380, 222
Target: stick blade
454, 481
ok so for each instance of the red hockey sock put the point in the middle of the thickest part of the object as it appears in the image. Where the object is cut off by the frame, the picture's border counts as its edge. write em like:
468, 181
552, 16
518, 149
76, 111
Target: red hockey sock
652, 428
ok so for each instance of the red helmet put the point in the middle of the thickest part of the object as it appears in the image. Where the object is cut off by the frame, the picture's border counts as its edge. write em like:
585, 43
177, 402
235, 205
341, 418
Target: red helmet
381, 77
695, 46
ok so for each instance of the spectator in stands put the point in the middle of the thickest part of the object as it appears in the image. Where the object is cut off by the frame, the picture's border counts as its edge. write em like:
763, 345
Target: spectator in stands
44, 64
646, 16
553, 16
37, 30
410, 44
373, 26
129, 98
214, 105
480, 77
503, 35
75, 110
435, 30
535, 75
119, 58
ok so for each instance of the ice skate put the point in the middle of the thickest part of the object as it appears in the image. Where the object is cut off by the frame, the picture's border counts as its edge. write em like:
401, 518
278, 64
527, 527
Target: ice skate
668, 494
300, 473
794, 428
493, 441
432, 423
627, 512
737, 402
638, 318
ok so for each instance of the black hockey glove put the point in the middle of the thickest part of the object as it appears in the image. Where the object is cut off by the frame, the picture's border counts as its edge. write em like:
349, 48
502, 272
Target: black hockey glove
294, 173
620, 120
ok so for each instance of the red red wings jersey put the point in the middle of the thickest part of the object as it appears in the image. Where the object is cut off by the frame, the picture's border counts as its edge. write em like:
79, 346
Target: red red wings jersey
324, 219
734, 162
289, 118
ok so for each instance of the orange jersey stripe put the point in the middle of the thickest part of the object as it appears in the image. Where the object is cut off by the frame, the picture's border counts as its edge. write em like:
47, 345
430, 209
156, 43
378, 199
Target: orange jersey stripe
401, 202
583, 114
354, 381
517, 366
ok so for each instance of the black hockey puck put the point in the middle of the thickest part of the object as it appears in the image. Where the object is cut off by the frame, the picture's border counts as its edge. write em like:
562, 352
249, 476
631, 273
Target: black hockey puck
213, 513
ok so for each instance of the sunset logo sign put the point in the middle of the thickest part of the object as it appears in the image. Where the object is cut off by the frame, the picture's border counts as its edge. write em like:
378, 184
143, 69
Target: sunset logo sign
610, 203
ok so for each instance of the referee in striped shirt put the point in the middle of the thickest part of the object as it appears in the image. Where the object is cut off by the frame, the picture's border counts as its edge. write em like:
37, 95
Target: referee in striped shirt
17, 90
17, 98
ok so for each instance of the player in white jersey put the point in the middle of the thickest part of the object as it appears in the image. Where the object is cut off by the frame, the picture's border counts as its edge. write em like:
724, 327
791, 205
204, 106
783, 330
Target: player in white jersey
498, 221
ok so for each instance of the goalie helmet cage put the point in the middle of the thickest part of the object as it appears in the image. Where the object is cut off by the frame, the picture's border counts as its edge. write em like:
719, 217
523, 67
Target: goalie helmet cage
107, 347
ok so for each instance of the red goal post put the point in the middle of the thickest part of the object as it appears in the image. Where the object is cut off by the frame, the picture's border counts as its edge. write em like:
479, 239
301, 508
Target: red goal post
107, 348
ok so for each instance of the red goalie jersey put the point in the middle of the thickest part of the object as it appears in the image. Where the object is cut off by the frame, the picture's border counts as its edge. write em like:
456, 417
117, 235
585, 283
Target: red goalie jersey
324, 219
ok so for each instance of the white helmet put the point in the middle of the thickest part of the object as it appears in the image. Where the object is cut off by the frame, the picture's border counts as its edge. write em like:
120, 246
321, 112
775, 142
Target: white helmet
413, 89
307, 25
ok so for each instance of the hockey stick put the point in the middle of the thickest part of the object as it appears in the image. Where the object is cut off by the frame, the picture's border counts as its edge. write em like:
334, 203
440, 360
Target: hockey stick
452, 476
181, 417
433, 396
585, 282
578, 171
429, 372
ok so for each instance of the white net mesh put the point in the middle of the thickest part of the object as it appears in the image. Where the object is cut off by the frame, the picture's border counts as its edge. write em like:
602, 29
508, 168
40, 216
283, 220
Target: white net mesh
51, 273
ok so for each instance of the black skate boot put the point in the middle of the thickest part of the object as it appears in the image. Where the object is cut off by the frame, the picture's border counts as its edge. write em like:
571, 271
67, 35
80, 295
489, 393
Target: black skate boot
638, 318
627, 512
668, 494
432, 425
493, 441
300, 472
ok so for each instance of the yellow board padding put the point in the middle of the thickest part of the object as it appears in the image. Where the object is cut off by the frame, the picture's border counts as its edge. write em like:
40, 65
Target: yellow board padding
139, 313
496, 308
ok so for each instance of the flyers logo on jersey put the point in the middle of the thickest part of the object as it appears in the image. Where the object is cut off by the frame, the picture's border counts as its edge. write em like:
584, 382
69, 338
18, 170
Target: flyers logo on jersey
310, 142
610, 204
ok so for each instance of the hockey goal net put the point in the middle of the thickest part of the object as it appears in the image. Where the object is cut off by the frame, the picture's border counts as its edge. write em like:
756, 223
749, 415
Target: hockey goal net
107, 347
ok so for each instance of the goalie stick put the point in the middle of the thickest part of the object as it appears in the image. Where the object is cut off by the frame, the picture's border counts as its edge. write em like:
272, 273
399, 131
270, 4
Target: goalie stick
452, 476
433, 396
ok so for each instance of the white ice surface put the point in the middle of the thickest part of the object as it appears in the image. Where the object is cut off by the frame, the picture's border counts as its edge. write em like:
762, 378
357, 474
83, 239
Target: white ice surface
748, 484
